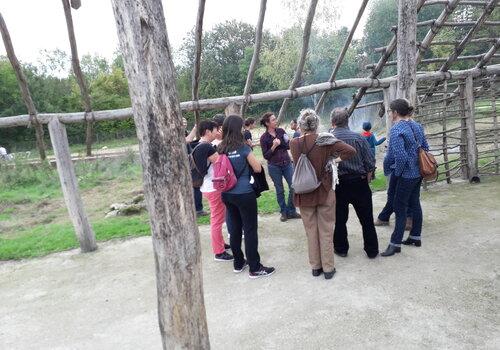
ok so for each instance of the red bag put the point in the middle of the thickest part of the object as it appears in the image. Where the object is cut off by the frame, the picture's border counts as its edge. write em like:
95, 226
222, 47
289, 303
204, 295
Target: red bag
224, 177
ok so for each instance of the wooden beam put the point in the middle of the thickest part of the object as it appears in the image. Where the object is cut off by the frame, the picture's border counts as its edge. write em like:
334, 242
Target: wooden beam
75, 61
370, 104
445, 136
256, 53
168, 190
198, 34
470, 123
389, 95
496, 138
443, 59
449, 42
223, 102
69, 185
407, 51
319, 106
23, 85
303, 55
462, 3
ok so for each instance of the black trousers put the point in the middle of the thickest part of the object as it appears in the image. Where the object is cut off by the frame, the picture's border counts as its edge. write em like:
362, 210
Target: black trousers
357, 192
241, 215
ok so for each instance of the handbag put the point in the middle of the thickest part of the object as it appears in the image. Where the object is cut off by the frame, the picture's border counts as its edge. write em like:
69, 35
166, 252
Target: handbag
259, 184
427, 163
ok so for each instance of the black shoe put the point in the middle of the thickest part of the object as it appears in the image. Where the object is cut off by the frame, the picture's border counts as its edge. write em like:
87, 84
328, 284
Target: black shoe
283, 218
294, 216
238, 269
410, 241
201, 213
317, 272
227, 246
391, 250
340, 254
262, 272
329, 275
372, 255
224, 256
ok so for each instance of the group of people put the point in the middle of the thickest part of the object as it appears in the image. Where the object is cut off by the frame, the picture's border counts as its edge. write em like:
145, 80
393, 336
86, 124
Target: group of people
344, 164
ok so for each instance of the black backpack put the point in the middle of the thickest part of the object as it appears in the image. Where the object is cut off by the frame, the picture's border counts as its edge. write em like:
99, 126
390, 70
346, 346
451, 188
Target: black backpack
197, 175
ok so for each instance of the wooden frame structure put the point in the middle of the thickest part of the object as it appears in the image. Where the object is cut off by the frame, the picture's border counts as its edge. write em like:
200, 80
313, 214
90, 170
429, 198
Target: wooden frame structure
467, 144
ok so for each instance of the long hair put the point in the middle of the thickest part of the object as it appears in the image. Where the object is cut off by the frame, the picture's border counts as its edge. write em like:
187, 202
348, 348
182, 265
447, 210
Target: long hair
232, 135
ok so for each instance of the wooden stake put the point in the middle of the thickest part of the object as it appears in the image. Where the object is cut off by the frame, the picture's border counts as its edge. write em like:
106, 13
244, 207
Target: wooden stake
406, 50
69, 185
472, 155
23, 85
445, 138
167, 184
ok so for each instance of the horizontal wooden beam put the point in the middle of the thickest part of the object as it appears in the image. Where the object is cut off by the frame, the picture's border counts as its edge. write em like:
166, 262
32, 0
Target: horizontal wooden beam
450, 43
462, 3
222, 102
453, 24
369, 104
439, 59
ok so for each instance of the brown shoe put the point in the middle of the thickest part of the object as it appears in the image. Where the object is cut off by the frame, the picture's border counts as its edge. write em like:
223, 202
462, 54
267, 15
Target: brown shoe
409, 224
283, 217
294, 216
379, 222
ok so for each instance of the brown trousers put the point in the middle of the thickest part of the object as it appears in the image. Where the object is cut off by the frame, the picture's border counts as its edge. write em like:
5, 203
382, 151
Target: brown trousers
319, 222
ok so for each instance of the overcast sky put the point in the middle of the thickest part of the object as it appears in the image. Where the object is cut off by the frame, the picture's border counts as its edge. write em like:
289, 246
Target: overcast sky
39, 24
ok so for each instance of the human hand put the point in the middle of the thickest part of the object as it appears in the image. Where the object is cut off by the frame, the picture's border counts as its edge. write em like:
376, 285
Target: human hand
276, 142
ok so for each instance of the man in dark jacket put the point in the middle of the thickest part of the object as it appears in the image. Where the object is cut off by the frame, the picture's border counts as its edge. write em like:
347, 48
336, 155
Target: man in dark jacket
354, 177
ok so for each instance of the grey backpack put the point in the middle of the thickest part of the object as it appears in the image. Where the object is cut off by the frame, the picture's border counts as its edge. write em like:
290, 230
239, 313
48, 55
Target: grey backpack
304, 178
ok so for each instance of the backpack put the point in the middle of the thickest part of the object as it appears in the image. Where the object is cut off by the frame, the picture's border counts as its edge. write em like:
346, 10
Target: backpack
197, 176
304, 179
224, 177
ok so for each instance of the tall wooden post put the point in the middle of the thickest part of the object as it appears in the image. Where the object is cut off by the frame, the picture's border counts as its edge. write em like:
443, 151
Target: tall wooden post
407, 50
389, 95
232, 109
195, 79
69, 185
463, 131
23, 85
496, 138
75, 61
445, 136
167, 185
472, 152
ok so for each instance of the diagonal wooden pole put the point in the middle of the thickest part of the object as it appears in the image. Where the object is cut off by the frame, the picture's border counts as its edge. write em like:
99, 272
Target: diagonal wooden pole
195, 81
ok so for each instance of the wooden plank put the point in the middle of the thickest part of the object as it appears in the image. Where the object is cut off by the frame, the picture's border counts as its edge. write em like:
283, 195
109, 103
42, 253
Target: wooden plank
23, 85
168, 190
69, 185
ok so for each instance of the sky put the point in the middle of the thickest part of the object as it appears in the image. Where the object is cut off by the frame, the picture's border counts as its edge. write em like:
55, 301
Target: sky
35, 25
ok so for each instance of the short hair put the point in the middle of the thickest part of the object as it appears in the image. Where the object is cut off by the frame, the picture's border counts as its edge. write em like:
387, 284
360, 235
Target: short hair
206, 125
249, 121
402, 106
339, 117
219, 119
294, 120
265, 118
308, 120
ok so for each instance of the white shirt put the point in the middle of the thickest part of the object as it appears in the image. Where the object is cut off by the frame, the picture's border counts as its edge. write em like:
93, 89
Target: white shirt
208, 185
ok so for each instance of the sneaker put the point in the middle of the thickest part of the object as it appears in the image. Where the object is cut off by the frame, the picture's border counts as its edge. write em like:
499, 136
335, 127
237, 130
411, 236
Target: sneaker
240, 269
223, 257
262, 272
294, 216
379, 222
227, 246
283, 217
201, 213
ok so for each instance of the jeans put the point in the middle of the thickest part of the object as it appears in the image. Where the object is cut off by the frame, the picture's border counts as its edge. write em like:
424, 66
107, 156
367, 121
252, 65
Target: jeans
217, 217
358, 193
386, 213
406, 194
241, 211
277, 173
198, 204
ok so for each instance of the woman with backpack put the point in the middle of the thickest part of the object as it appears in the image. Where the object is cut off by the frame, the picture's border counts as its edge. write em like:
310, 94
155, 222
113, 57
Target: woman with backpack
240, 199
402, 164
317, 206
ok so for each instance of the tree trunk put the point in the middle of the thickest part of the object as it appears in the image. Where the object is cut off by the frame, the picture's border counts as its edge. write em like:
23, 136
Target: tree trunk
407, 50
168, 188
23, 85
69, 185
79, 77
197, 58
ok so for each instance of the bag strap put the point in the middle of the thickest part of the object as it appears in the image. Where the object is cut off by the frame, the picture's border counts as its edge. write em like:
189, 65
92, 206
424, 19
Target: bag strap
242, 171
419, 145
194, 160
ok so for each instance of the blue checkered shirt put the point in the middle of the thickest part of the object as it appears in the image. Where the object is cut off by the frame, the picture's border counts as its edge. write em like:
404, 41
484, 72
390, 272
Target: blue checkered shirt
402, 155
363, 161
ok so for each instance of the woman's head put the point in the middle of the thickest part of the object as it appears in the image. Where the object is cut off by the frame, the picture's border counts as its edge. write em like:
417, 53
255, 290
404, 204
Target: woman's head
249, 123
308, 121
269, 121
400, 108
232, 135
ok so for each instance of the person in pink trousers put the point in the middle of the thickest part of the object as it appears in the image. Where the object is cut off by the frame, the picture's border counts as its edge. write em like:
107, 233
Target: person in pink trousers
204, 155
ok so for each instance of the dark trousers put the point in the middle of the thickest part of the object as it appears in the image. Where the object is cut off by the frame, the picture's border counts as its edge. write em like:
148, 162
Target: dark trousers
241, 212
277, 173
358, 193
386, 213
407, 194
198, 204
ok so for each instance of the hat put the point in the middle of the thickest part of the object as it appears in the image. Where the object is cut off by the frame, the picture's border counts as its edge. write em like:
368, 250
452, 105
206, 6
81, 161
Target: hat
367, 126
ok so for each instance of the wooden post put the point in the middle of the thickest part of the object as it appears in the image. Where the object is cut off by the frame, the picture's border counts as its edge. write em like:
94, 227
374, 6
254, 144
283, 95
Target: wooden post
23, 85
495, 122
69, 184
75, 61
389, 95
303, 55
407, 50
256, 52
232, 109
463, 132
472, 156
167, 185
445, 138
195, 80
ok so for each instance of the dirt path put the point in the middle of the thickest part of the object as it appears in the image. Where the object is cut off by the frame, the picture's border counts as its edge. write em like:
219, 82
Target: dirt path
443, 295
